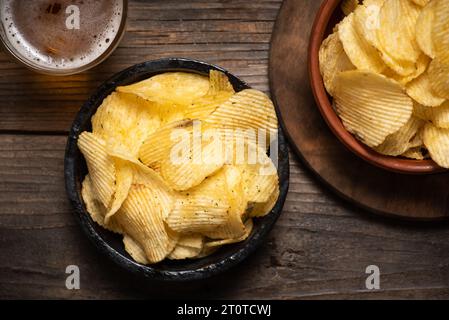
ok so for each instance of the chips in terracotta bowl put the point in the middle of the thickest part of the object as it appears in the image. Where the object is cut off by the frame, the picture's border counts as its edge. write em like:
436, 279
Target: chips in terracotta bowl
379, 70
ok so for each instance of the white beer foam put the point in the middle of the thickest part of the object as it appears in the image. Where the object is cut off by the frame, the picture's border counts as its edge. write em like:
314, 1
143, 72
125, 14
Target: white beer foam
28, 52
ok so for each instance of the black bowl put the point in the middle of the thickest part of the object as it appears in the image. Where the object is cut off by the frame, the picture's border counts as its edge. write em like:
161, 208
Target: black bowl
110, 243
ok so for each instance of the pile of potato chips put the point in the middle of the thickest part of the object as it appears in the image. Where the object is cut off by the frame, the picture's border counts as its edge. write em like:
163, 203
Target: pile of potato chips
387, 67
180, 209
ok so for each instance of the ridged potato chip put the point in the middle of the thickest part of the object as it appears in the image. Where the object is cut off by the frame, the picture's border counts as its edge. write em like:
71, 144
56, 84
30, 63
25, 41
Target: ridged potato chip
204, 106
186, 166
420, 90
333, 60
440, 31
366, 20
135, 250
219, 82
422, 112
95, 208
155, 149
189, 246
360, 52
261, 209
234, 227
367, 25
400, 141
124, 121
424, 26
396, 33
101, 166
371, 106
124, 179
201, 209
248, 228
247, 109
259, 180
141, 217
414, 153
439, 116
439, 78
436, 141
180, 88
220, 91
420, 67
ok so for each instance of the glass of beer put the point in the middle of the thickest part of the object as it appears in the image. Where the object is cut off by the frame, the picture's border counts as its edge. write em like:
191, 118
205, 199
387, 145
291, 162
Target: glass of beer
61, 37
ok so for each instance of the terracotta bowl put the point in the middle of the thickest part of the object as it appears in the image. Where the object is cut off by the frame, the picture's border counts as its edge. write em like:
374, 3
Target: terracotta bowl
328, 16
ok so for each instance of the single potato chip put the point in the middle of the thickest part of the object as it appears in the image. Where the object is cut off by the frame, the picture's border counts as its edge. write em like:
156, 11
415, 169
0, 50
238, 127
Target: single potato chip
424, 26
420, 90
366, 21
201, 209
420, 67
96, 209
396, 33
371, 106
262, 209
439, 116
220, 91
260, 179
193, 160
436, 141
422, 112
124, 179
124, 121
414, 153
360, 52
189, 246
155, 149
440, 31
180, 88
333, 60
141, 216
205, 106
101, 166
248, 229
400, 141
234, 226
439, 78
135, 250
219, 82
247, 109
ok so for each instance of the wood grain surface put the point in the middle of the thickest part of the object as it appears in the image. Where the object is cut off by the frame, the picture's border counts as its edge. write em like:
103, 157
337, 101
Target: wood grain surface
319, 248
422, 197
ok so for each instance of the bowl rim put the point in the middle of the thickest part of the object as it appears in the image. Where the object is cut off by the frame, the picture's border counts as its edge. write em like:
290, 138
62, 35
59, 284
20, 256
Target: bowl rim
74, 193
394, 164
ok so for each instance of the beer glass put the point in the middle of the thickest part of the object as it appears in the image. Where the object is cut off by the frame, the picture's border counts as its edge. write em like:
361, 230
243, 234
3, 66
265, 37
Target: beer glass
61, 37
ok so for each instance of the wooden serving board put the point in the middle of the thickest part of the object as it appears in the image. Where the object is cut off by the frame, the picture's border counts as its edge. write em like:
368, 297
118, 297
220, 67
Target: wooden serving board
376, 190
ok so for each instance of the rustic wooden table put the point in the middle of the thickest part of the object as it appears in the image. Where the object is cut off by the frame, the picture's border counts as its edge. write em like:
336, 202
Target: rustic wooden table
319, 248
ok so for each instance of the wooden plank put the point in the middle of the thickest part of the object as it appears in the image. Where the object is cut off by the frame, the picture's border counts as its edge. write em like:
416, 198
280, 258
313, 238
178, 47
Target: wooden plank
232, 34
319, 248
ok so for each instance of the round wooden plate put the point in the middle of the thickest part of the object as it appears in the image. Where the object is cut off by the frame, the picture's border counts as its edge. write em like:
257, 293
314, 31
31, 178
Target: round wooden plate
406, 196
